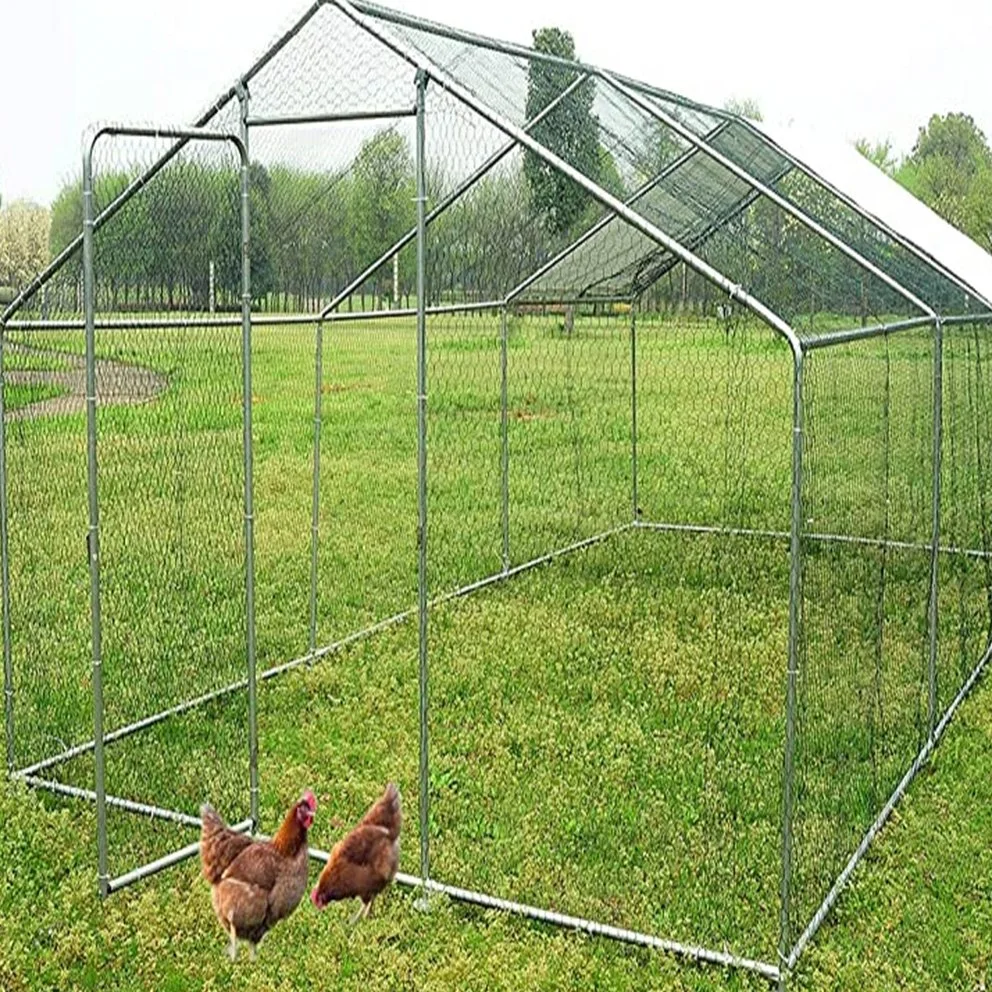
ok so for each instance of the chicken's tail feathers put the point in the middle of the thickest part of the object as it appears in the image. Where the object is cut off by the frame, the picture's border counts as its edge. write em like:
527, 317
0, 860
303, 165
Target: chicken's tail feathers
386, 812
219, 844
210, 818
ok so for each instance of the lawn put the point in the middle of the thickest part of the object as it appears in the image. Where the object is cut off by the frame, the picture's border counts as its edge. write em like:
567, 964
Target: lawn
606, 731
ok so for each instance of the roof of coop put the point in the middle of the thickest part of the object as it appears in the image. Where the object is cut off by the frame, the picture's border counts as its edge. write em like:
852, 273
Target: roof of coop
796, 223
702, 177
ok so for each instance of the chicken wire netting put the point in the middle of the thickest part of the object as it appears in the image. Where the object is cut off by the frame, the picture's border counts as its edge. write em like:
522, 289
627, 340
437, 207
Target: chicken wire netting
609, 272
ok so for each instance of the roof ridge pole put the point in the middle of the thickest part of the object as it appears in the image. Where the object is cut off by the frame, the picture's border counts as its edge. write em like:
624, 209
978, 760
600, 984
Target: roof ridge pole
776, 198
608, 200
606, 220
447, 201
901, 239
141, 181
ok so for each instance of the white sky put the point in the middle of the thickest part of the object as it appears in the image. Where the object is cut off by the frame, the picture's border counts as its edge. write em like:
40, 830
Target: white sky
878, 68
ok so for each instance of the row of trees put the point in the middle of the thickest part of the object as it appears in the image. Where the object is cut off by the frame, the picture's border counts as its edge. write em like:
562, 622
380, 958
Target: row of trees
311, 231
177, 244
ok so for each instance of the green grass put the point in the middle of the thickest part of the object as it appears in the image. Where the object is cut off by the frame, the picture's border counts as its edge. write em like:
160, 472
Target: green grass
606, 731
20, 395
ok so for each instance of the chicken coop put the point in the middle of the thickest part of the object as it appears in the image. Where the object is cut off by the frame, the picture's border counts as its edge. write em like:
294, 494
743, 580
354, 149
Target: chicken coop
607, 468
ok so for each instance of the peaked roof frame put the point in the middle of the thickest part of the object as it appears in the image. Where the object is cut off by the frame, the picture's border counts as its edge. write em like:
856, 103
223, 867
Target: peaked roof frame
637, 92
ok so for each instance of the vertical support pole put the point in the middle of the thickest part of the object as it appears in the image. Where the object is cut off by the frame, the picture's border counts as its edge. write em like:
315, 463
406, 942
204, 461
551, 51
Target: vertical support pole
93, 533
248, 468
421, 84
315, 507
933, 613
792, 674
504, 435
8, 667
633, 414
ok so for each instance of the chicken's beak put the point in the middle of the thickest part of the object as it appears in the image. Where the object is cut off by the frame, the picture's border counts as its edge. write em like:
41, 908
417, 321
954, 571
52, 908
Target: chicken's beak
315, 898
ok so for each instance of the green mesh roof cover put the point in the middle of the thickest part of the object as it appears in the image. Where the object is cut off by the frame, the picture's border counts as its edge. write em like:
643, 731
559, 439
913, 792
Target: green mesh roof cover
693, 193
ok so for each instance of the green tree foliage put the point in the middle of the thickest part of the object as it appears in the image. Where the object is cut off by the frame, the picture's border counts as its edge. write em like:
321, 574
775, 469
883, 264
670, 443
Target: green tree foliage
744, 107
570, 130
879, 153
23, 242
382, 200
950, 169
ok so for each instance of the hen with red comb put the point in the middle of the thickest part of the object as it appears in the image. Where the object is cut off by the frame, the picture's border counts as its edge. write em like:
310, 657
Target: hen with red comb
255, 883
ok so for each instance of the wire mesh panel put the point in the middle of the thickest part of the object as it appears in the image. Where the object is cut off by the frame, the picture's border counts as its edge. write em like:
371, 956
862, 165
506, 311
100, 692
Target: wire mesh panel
713, 413
169, 439
368, 476
45, 451
465, 481
965, 565
866, 568
607, 277
589, 705
569, 425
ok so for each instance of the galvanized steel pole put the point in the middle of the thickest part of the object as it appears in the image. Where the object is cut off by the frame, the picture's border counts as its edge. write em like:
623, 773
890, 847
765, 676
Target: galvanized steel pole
504, 435
633, 414
243, 99
933, 612
8, 666
315, 507
792, 672
422, 607
93, 534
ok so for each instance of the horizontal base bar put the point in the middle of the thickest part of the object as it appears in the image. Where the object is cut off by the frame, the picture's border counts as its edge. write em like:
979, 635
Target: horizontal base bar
116, 802
311, 657
143, 809
783, 535
694, 952
898, 793
160, 864
592, 927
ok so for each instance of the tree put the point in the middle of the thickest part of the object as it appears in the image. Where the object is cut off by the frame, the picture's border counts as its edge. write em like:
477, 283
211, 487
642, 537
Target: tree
950, 169
879, 153
570, 130
382, 204
744, 107
23, 242
954, 137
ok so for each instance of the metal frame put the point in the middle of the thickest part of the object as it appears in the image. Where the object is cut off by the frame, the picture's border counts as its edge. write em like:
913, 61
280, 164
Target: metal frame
368, 17
422, 603
93, 536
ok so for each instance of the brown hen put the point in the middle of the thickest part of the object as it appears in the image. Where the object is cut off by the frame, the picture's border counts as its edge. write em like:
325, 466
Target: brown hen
364, 862
255, 883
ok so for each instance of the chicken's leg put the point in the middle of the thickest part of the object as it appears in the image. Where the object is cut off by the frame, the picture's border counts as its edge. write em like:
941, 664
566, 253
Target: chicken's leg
358, 914
232, 948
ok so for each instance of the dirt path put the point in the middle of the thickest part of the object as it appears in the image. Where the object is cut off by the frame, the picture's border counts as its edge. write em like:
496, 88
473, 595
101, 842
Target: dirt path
117, 383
